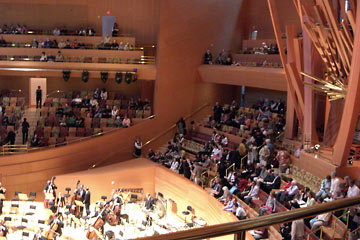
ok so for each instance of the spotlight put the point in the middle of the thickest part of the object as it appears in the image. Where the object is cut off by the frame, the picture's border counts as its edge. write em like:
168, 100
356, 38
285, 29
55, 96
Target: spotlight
317, 147
104, 76
118, 77
85, 76
66, 75
128, 77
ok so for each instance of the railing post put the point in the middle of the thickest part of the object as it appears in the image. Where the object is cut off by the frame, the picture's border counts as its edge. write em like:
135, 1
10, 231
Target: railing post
240, 236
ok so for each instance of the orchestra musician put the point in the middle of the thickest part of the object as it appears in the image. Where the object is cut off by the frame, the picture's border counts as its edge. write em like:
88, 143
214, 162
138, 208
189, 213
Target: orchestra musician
38, 235
2, 191
87, 201
80, 196
50, 187
3, 229
149, 202
56, 226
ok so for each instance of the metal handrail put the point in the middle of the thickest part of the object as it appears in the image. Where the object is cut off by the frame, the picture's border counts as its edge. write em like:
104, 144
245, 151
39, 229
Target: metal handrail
227, 169
82, 138
152, 139
174, 125
257, 222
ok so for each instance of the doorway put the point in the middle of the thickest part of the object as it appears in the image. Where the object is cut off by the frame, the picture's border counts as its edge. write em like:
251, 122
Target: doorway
34, 83
107, 25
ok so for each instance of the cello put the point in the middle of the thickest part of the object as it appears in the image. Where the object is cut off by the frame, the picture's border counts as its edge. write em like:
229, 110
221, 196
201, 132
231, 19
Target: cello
50, 234
93, 231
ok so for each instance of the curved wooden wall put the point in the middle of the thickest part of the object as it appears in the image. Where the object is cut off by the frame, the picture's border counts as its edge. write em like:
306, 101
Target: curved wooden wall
145, 72
13, 51
188, 28
259, 77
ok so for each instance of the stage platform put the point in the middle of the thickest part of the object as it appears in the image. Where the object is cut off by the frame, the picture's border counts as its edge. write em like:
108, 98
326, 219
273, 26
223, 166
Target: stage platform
153, 178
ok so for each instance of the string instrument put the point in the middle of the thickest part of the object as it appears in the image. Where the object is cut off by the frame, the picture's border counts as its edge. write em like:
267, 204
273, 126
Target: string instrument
99, 222
52, 231
3, 230
112, 218
75, 210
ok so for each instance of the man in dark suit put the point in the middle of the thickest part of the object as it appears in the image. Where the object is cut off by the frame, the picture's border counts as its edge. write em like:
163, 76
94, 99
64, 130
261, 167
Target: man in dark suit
217, 112
149, 202
25, 130
38, 97
87, 201
80, 192
274, 184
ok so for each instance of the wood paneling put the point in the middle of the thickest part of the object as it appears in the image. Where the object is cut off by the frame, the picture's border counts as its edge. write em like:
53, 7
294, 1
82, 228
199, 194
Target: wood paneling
145, 72
177, 188
31, 52
268, 78
256, 16
15, 38
187, 29
136, 17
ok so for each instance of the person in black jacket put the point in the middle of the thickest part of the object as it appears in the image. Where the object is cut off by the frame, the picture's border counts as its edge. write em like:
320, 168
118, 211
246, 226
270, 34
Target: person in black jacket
186, 167
86, 201
208, 57
38, 97
25, 130
274, 184
217, 112
149, 202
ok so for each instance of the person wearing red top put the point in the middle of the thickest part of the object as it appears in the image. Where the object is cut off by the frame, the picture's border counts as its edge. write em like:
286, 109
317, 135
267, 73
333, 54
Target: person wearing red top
242, 184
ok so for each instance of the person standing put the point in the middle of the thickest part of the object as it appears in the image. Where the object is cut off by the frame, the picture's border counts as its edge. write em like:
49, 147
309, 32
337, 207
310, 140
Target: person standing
25, 130
87, 201
138, 147
2, 191
38, 97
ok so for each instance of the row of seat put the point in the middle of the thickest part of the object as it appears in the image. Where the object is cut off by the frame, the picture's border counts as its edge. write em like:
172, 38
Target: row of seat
80, 59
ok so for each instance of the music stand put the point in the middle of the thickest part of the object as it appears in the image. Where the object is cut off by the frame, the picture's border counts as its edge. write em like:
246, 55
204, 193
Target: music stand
79, 203
23, 198
76, 221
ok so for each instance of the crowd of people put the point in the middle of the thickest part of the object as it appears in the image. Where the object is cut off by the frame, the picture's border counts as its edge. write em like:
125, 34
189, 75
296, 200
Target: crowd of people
107, 43
69, 114
225, 58
262, 171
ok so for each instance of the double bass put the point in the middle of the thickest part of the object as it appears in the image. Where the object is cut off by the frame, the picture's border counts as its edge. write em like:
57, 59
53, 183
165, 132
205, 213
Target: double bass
75, 210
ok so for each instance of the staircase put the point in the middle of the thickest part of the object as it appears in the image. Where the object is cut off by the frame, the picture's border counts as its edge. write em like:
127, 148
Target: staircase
32, 115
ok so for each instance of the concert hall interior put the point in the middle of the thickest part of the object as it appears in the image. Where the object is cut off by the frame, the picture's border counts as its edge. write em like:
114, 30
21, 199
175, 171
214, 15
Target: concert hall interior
179, 119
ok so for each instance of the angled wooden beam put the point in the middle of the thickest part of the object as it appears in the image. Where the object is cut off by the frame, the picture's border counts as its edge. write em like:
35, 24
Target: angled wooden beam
278, 35
351, 111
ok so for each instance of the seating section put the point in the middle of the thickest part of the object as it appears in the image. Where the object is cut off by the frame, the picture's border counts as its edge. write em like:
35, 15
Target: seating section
304, 178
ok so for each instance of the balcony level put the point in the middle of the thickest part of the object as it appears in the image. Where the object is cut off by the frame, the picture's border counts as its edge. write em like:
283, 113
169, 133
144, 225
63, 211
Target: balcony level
258, 77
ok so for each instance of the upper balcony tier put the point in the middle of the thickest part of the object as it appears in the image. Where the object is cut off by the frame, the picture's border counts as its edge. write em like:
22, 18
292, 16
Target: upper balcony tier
258, 77
54, 69
28, 38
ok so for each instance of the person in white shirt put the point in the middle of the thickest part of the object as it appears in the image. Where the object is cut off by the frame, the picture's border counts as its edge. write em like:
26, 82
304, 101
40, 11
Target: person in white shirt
175, 166
104, 94
224, 140
320, 220
335, 184
254, 192
43, 57
353, 190
297, 226
264, 155
239, 211
289, 194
